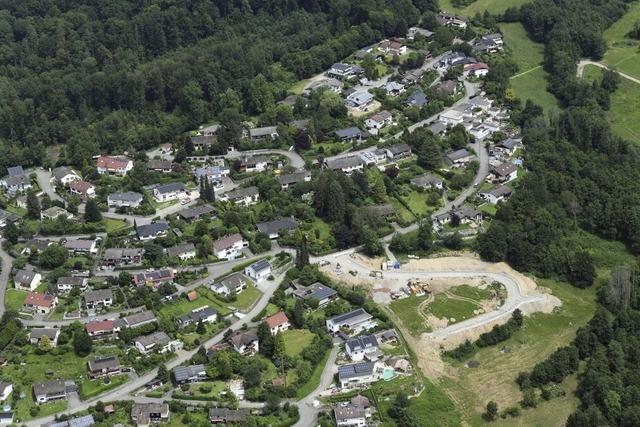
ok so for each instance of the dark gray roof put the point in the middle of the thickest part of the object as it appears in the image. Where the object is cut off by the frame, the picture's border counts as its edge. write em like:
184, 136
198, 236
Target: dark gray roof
458, 154
354, 316
352, 132
355, 370
24, 276
362, 343
426, 180
49, 387
137, 319
61, 172
197, 211
84, 421
154, 164
129, 196
170, 188
399, 149
293, 178
15, 171
499, 191
272, 227
159, 338
505, 169
417, 98
98, 295
227, 415
117, 253
316, 290
344, 162
181, 249
242, 338
241, 193
73, 281
261, 265
37, 333
197, 315
97, 363
39, 244
184, 373
152, 229
346, 412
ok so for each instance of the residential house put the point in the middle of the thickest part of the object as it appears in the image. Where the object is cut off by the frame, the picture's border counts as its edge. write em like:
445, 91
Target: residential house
157, 341
417, 99
7, 217
136, 320
48, 391
503, 173
117, 257
114, 165
449, 20
189, 374
268, 132
146, 414
202, 142
103, 329
496, 194
509, 145
154, 278
489, 43
316, 291
459, 158
98, 298
84, 421
36, 334
349, 134
413, 31
346, 164
398, 151
371, 158
362, 53
348, 415
451, 117
479, 69
360, 100
184, 252
383, 211
168, 192
81, 246
447, 87
232, 284
159, 165
27, 279
412, 77
242, 196
152, 231
278, 322
228, 416
204, 314
55, 212
275, 227
63, 175
229, 247
103, 366
427, 181
67, 284
288, 180
394, 88
16, 181
467, 214
6, 388
378, 121
209, 130
259, 270
213, 174
253, 164
343, 71
197, 212
334, 85
129, 199
245, 342
357, 374
302, 124
392, 47
352, 323
362, 347
83, 189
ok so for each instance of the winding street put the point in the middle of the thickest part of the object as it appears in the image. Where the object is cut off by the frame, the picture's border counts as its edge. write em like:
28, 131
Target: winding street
582, 64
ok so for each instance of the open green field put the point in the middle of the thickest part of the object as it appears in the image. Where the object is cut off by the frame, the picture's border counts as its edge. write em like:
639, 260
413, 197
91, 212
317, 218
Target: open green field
182, 306
530, 80
296, 340
245, 299
624, 113
623, 53
89, 389
13, 299
494, 379
493, 6
471, 292
418, 203
444, 307
407, 310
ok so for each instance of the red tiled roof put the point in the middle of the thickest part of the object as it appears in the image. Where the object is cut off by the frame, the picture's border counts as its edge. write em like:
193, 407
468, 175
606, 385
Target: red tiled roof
477, 66
277, 319
39, 300
112, 163
193, 295
102, 326
80, 186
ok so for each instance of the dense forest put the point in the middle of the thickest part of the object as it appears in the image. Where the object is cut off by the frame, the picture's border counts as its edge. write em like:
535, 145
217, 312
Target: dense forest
581, 176
114, 75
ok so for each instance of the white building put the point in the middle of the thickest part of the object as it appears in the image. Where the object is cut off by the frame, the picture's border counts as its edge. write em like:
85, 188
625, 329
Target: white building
259, 270
167, 192
229, 247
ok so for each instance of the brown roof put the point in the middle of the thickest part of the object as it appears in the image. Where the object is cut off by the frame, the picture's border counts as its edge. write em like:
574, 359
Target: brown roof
80, 186
109, 162
39, 300
277, 319
226, 242
192, 296
104, 325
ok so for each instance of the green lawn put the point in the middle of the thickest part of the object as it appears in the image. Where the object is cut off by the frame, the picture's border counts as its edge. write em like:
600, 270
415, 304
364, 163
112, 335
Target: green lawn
182, 306
404, 215
444, 307
209, 389
494, 378
623, 53
471, 292
418, 203
299, 86
246, 299
314, 381
296, 340
493, 6
529, 81
13, 299
488, 209
624, 113
24, 406
407, 310
111, 224
16, 210
89, 389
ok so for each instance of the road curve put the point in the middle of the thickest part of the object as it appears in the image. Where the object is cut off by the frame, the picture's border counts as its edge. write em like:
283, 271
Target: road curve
582, 64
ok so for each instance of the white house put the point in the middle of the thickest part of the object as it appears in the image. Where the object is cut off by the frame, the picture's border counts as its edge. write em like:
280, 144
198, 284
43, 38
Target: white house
503, 173
351, 323
360, 100
157, 341
234, 283
171, 191
279, 322
129, 199
347, 164
83, 189
241, 196
478, 69
27, 279
452, 117
246, 343
48, 391
63, 175
496, 194
66, 284
6, 388
360, 347
184, 252
378, 121
259, 270
357, 374
229, 247
114, 165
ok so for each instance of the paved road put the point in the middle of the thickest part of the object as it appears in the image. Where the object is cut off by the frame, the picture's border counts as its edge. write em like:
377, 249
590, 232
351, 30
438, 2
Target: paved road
44, 181
295, 159
308, 412
582, 64
182, 356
